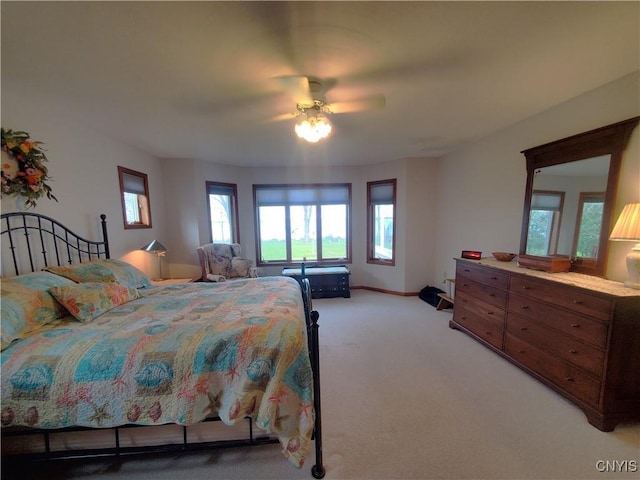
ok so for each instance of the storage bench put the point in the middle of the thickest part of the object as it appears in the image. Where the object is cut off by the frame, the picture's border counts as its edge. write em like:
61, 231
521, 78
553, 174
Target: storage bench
326, 282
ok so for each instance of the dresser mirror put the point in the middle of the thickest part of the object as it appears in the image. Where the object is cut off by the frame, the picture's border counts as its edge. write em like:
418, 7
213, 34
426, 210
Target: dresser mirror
570, 196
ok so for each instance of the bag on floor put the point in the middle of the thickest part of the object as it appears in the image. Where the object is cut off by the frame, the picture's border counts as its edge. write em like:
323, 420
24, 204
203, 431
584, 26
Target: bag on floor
430, 295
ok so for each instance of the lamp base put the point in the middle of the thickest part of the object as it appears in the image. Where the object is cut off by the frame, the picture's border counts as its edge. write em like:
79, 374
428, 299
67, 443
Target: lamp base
633, 268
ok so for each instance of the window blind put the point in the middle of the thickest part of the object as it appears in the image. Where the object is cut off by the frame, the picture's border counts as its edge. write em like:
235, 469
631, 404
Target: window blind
273, 195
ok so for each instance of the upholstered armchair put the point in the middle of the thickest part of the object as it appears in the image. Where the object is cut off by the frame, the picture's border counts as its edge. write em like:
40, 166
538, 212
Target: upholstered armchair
222, 261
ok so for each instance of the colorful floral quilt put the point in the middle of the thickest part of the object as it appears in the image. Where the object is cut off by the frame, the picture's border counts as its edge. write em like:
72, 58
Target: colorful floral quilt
177, 355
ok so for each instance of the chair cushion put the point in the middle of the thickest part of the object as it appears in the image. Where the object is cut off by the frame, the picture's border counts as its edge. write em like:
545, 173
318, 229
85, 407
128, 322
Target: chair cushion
240, 267
219, 264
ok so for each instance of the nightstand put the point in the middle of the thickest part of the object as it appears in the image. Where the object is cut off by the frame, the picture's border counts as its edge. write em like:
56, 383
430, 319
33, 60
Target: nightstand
171, 281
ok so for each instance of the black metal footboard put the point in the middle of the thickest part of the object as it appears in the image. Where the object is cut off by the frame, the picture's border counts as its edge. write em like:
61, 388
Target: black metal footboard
312, 316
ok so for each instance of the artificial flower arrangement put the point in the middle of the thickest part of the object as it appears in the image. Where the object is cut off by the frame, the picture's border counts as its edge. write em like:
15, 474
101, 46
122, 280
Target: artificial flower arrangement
23, 168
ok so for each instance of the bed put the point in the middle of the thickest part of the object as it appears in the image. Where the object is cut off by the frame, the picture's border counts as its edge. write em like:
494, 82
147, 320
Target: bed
88, 342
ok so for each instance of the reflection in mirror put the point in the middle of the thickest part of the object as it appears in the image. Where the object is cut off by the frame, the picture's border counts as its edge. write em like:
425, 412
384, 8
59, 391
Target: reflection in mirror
561, 194
570, 196
589, 225
544, 222
134, 189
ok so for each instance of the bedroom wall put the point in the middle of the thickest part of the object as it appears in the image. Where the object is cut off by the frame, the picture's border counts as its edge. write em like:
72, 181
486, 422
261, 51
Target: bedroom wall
470, 199
185, 182
481, 187
83, 165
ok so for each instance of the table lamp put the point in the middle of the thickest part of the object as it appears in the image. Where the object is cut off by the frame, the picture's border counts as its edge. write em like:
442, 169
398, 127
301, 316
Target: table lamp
158, 250
627, 229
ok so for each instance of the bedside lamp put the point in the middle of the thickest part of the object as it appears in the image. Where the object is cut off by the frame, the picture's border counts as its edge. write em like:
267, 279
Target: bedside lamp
628, 229
158, 250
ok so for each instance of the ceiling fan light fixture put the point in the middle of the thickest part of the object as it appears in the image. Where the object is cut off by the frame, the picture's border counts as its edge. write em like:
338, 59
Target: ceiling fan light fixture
313, 129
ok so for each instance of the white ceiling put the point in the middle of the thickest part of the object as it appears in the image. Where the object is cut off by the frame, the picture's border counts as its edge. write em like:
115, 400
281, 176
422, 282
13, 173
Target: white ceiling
197, 79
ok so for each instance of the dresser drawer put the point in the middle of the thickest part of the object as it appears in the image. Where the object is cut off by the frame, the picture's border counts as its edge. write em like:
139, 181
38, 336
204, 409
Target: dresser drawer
483, 274
486, 293
572, 324
555, 370
570, 349
484, 320
566, 297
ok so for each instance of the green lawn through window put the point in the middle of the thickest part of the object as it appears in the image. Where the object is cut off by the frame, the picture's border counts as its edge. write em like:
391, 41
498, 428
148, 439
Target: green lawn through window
273, 250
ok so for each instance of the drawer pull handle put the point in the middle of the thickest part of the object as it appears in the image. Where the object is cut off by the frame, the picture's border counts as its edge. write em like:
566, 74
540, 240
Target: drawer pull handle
575, 325
466, 270
489, 313
525, 287
492, 294
523, 328
465, 284
578, 302
569, 379
520, 351
463, 317
573, 351
525, 307
488, 333
493, 278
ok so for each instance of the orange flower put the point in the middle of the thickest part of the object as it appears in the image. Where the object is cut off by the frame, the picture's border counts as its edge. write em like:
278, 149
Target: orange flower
25, 146
33, 176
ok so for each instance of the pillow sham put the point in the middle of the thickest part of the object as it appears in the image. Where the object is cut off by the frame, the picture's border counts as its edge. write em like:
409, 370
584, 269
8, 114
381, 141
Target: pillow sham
98, 270
83, 272
27, 304
89, 300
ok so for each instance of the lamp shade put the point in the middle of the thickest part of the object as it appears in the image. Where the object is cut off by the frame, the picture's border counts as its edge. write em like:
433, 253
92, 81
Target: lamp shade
154, 247
628, 225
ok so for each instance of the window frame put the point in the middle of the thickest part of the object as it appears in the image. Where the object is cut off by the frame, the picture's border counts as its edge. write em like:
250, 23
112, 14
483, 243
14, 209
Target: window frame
318, 219
584, 199
235, 225
555, 226
122, 171
371, 258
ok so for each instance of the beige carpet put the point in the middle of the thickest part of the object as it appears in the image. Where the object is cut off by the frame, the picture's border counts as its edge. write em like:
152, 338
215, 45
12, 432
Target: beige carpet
406, 397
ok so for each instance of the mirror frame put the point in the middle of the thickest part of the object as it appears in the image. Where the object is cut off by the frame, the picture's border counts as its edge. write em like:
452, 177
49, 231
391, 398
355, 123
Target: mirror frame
609, 140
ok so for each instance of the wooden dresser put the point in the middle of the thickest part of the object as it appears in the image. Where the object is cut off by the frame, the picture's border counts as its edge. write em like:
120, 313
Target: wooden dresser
579, 335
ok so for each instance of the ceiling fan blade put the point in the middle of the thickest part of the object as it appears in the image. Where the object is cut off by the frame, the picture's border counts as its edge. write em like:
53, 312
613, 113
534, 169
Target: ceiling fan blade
283, 116
297, 87
358, 105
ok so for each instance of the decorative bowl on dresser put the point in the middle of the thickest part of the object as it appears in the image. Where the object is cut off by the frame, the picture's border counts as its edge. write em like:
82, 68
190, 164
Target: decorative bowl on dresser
578, 334
503, 256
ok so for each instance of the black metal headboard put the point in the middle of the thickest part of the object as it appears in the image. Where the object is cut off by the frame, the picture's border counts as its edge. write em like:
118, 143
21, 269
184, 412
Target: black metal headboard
31, 241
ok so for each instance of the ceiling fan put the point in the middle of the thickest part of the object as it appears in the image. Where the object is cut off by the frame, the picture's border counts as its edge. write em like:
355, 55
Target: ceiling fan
311, 104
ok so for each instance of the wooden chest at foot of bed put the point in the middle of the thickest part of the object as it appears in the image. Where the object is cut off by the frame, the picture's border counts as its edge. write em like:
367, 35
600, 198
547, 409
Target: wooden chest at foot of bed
326, 282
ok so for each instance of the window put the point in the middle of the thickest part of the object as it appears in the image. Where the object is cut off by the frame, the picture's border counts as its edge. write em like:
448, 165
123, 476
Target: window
223, 212
134, 188
381, 226
544, 222
302, 222
588, 225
